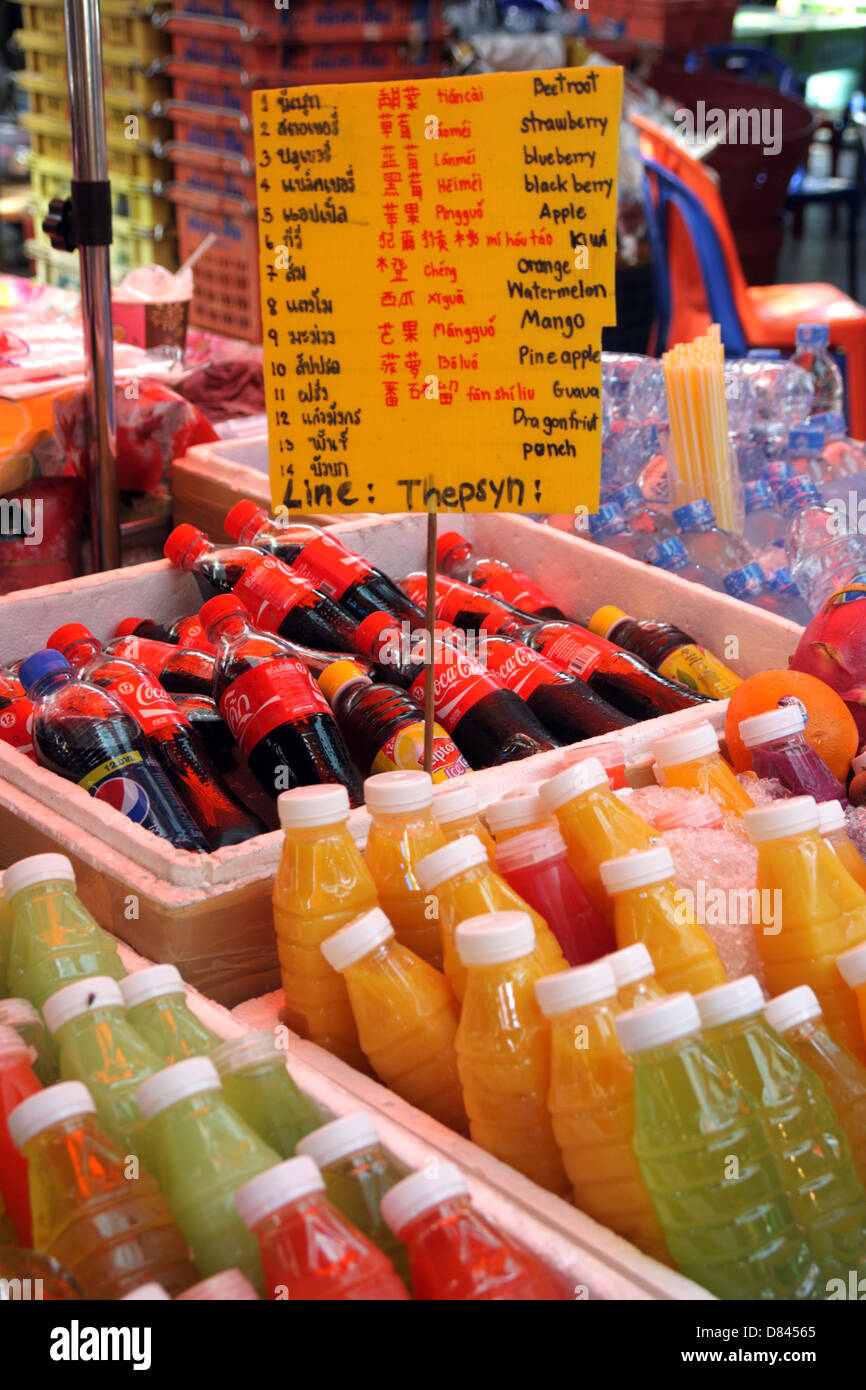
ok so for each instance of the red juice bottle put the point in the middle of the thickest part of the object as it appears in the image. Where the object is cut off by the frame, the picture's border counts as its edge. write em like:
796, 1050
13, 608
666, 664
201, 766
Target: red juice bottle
455, 1254
17, 1082
536, 865
310, 1251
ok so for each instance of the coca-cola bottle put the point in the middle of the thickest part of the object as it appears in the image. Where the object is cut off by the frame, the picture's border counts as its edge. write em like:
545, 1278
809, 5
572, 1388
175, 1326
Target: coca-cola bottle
143, 627
215, 734
321, 557
16, 713
88, 736
183, 632
279, 718
565, 704
470, 609
455, 557
179, 670
278, 599
216, 811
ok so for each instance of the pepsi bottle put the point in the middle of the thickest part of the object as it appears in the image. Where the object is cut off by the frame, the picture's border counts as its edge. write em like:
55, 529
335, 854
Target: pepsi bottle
87, 736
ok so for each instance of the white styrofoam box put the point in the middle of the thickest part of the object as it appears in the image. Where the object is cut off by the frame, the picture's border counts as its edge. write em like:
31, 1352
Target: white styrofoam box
587, 1257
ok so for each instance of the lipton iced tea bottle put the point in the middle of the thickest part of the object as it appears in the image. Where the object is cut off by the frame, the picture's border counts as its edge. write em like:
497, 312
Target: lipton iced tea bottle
403, 831
54, 937
155, 1002
110, 1233
322, 883
691, 758
257, 1084
595, 825
635, 976
462, 883
406, 1015
591, 1102
503, 1047
649, 908
823, 912
17, 1082
852, 968
831, 824
516, 812
455, 806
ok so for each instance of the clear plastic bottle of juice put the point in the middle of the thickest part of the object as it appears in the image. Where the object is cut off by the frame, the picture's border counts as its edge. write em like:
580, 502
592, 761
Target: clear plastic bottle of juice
591, 1103
257, 1084
99, 1047
403, 830
831, 824
804, 1133
229, 1286
111, 1234
461, 883
455, 1254
155, 1001
649, 908
778, 747
595, 825
322, 883
5, 943
54, 937
17, 1082
206, 1152
358, 1171
691, 758
822, 912
27, 1023
635, 976
310, 1252
851, 966
455, 806
503, 1047
535, 863
406, 1015
729, 1227
516, 812
796, 1015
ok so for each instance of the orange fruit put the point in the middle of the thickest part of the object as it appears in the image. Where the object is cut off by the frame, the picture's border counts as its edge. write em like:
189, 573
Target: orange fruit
830, 726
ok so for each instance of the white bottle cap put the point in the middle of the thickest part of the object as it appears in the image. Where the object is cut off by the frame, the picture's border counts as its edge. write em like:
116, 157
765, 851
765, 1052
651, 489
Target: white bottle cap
775, 723
245, 1049
630, 964
13, 1048
81, 997
455, 800
305, 807
572, 989
62, 1101
697, 741
532, 847
793, 816
830, 817
356, 939
190, 1077
150, 1291
513, 812
638, 869
151, 983
454, 858
852, 965
495, 937
390, 793
572, 781
333, 1141
275, 1188
37, 868
230, 1285
793, 1007
419, 1192
662, 1021
726, 1003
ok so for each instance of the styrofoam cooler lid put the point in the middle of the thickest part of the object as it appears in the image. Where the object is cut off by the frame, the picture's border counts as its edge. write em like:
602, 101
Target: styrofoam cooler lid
276, 1187
408, 1198
36, 868
62, 1101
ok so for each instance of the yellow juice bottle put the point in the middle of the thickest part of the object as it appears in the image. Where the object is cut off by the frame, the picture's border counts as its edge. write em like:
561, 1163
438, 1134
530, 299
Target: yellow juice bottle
635, 976
691, 759
503, 1047
852, 968
516, 812
648, 907
402, 831
455, 806
322, 883
460, 882
405, 1012
821, 912
595, 824
831, 824
591, 1103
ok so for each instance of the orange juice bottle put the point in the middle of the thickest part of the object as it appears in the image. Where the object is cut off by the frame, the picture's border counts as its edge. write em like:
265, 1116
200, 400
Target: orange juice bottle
595, 824
455, 806
322, 883
852, 966
405, 1012
402, 831
460, 882
517, 811
503, 1047
649, 907
591, 1102
821, 912
635, 976
831, 824
691, 758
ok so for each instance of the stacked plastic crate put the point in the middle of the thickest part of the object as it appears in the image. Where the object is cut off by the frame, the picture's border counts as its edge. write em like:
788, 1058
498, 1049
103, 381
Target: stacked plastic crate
132, 48
221, 51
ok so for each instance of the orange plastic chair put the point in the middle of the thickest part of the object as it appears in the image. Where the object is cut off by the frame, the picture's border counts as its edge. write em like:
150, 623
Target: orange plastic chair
769, 314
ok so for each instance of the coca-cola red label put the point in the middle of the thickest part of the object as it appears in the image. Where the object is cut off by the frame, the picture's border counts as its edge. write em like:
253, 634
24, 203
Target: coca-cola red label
521, 669
144, 697
145, 650
459, 682
279, 692
577, 651
517, 588
190, 633
270, 590
16, 725
330, 566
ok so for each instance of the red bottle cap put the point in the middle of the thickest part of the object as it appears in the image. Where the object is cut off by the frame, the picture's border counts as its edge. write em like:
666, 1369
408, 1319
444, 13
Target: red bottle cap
223, 606
127, 627
184, 543
68, 635
447, 542
372, 630
241, 514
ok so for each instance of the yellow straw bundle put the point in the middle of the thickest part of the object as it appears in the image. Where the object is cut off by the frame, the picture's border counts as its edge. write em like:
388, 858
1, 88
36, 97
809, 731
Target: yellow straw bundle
695, 382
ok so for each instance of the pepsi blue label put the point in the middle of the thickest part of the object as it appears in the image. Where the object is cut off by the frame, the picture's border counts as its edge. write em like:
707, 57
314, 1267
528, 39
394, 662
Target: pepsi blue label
127, 783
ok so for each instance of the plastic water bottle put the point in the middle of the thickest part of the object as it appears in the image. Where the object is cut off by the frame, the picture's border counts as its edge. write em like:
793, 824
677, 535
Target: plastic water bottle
813, 354
783, 391
777, 471
806, 451
796, 610
740, 396
649, 397
824, 554
751, 585
619, 370
843, 457
643, 521
608, 527
764, 526
626, 451
751, 450
706, 543
672, 555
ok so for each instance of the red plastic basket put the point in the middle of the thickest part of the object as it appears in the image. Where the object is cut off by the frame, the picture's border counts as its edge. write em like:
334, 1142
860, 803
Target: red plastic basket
288, 64
226, 295
305, 21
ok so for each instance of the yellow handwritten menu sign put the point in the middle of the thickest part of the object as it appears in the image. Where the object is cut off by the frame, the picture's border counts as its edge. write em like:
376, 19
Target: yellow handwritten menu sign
437, 264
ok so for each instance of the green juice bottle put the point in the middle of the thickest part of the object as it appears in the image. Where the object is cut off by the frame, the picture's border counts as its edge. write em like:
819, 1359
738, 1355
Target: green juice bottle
54, 937
358, 1172
704, 1157
257, 1084
156, 1007
205, 1153
5, 943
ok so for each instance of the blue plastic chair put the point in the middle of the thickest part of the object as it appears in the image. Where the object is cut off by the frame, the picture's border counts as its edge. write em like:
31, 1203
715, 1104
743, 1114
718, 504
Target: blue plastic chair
749, 62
